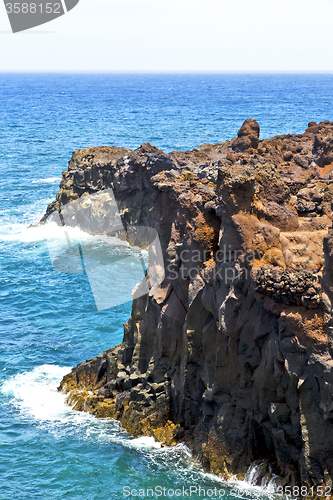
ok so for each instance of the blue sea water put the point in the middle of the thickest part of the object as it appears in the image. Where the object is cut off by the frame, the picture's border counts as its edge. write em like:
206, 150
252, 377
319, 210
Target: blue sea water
48, 320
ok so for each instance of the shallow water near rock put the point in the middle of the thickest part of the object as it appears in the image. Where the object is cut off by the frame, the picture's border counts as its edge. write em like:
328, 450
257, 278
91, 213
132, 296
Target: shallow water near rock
48, 320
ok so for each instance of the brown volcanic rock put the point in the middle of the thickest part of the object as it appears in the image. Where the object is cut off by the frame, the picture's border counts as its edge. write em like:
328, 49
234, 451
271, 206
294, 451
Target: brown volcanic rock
232, 352
249, 127
248, 136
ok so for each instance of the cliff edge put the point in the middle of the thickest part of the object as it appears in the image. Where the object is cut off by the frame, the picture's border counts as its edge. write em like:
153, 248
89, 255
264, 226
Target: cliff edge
232, 353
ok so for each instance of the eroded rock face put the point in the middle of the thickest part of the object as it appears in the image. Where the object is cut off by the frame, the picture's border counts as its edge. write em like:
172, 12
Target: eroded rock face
232, 352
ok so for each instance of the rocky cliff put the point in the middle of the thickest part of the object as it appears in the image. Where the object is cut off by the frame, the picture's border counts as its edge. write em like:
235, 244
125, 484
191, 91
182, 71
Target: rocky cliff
232, 353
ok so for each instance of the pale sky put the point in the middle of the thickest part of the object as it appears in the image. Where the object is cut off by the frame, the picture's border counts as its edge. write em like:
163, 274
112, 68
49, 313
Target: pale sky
176, 35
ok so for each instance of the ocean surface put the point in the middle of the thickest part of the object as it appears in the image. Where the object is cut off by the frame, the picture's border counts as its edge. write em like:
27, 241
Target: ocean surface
48, 320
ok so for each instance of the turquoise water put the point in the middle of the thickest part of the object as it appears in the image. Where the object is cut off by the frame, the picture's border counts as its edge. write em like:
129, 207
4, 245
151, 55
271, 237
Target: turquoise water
48, 320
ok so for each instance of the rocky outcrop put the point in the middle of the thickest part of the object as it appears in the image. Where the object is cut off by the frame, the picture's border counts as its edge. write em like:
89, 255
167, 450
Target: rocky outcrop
248, 136
232, 353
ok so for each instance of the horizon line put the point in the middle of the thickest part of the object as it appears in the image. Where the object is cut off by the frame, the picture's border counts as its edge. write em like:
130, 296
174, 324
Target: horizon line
174, 72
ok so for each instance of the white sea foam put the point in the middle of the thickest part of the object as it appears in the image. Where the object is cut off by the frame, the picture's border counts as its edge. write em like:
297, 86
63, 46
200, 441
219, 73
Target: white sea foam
48, 180
35, 392
50, 231
145, 443
249, 487
15, 224
63, 235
